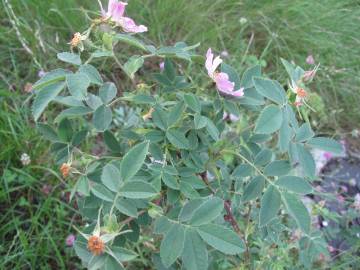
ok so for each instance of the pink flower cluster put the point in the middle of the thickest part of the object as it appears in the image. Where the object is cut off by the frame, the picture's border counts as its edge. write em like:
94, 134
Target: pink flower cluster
221, 79
115, 12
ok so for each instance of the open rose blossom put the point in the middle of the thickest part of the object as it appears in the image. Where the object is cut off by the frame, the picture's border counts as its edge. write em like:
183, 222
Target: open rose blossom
223, 83
115, 12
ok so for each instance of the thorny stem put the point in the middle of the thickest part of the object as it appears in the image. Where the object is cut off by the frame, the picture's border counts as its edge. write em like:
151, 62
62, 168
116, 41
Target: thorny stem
229, 217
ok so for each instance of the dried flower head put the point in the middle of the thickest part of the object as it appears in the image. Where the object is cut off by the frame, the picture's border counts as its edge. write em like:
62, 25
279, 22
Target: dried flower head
28, 87
96, 245
65, 169
77, 39
148, 115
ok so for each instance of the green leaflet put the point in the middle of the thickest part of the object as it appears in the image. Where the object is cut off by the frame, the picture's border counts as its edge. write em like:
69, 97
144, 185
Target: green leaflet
137, 190
295, 184
78, 84
297, 210
195, 254
221, 238
254, 189
277, 168
172, 245
44, 97
270, 205
102, 118
207, 211
133, 160
270, 89
269, 121
71, 58
133, 64
111, 178
326, 144
107, 92
177, 138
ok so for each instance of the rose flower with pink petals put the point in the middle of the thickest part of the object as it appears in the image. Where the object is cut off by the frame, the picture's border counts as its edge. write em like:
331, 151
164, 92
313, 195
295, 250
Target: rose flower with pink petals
221, 79
115, 12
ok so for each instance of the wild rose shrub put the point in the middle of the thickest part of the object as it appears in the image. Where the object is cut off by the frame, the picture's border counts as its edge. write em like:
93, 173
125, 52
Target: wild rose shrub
200, 175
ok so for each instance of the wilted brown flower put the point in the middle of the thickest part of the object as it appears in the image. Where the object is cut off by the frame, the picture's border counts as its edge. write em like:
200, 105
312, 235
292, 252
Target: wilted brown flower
28, 87
148, 115
76, 40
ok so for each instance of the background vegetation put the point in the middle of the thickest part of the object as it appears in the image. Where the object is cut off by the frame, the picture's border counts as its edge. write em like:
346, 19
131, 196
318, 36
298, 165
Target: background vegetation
36, 218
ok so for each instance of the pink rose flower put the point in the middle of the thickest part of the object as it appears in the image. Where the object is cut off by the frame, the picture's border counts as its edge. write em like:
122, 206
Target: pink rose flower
221, 79
115, 12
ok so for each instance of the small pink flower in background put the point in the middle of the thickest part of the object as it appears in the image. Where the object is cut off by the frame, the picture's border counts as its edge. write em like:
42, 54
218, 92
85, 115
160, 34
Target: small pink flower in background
70, 239
162, 66
221, 79
344, 189
331, 249
340, 199
41, 73
115, 12
310, 74
310, 60
232, 117
46, 189
328, 155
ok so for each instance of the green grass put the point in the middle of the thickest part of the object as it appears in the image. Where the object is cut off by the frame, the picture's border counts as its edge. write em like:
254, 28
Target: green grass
282, 28
33, 225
